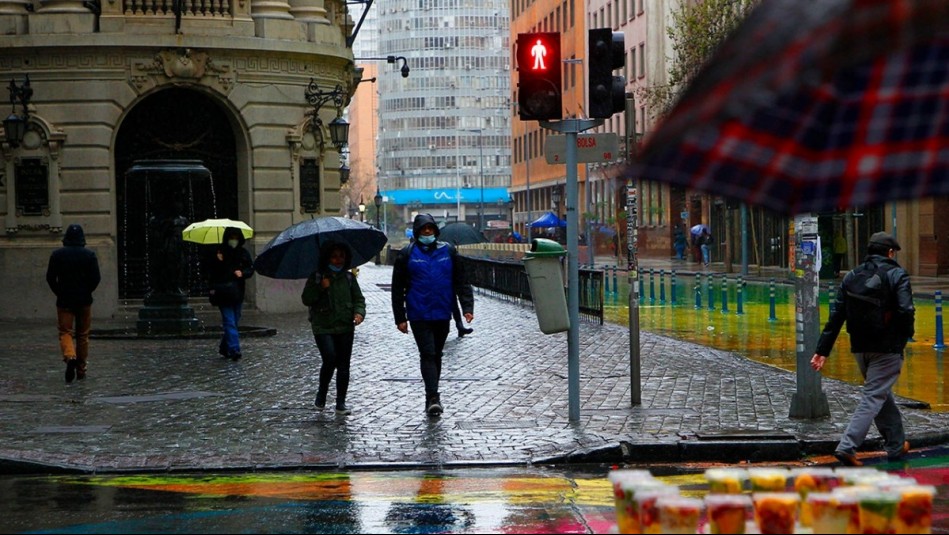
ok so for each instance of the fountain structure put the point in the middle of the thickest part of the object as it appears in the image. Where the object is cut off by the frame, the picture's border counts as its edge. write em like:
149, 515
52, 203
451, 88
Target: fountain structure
162, 198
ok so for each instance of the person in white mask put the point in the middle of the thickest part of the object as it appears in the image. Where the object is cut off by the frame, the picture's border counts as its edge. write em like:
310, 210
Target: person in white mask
228, 269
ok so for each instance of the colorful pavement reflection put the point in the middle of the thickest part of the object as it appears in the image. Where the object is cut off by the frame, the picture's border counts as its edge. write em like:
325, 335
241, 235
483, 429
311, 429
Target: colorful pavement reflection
753, 334
499, 500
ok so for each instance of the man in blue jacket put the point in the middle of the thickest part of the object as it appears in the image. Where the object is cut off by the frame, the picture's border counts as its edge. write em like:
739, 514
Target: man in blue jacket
73, 274
426, 277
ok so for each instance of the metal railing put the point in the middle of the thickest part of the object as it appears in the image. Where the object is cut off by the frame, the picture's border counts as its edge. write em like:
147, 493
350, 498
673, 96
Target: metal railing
508, 280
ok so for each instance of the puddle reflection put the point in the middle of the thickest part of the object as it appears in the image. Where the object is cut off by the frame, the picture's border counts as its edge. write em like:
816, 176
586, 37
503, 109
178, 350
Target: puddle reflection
755, 336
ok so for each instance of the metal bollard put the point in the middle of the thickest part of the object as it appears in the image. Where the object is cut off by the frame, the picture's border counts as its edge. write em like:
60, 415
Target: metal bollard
615, 284
724, 294
739, 289
672, 287
939, 335
642, 293
698, 291
771, 315
662, 286
652, 285
606, 280
711, 292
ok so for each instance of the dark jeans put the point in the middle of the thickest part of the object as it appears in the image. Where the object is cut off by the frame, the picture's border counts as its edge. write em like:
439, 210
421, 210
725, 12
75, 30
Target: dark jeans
456, 315
430, 338
336, 350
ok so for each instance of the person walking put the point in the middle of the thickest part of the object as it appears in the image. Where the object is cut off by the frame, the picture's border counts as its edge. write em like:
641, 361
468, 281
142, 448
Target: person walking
228, 270
426, 278
73, 274
876, 302
336, 306
679, 243
705, 245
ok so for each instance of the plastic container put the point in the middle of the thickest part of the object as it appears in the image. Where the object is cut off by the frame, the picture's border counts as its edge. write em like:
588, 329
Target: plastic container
878, 511
808, 480
726, 480
727, 513
831, 512
646, 499
679, 514
625, 484
914, 514
768, 479
776, 512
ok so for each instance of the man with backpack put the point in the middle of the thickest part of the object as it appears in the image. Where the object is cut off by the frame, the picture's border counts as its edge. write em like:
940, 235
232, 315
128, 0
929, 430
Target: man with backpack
876, 301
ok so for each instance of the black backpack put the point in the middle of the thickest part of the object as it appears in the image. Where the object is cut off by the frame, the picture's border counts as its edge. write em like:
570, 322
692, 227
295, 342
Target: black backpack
869, 298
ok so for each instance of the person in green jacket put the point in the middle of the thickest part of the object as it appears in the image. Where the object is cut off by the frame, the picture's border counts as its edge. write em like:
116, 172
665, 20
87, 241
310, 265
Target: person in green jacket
336, 306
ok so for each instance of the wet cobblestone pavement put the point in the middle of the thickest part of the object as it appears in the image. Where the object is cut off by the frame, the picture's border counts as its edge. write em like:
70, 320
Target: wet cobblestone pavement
177, 405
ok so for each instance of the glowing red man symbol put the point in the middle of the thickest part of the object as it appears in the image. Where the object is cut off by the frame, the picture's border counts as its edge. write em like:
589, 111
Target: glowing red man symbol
538, 52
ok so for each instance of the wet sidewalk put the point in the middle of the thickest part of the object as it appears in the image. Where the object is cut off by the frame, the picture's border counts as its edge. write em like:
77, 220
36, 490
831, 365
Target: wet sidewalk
160, 405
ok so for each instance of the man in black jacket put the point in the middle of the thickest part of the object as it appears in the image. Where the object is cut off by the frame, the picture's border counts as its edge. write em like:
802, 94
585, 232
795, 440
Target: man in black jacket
876, 301
73, 274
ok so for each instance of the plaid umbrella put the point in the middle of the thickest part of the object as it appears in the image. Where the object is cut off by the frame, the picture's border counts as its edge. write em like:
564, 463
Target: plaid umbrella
814, 106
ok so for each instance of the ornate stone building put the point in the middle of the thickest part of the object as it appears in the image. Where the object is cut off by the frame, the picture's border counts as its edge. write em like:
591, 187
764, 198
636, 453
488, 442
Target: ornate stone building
110, 83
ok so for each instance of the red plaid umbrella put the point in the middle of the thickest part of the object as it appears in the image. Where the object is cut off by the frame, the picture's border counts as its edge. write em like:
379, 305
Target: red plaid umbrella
814, 106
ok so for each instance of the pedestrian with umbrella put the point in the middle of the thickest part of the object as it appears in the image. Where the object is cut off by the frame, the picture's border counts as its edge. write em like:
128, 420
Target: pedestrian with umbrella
426, 277
228, 269
336, 306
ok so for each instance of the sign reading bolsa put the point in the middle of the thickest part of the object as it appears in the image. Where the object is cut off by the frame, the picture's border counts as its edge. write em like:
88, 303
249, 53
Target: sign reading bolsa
591, 148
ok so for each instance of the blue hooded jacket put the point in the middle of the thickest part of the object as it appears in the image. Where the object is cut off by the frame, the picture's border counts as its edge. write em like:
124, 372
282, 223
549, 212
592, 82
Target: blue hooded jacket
427, 278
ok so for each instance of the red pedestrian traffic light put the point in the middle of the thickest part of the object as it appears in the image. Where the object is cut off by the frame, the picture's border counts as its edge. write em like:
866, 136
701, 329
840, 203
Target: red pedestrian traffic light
540, 95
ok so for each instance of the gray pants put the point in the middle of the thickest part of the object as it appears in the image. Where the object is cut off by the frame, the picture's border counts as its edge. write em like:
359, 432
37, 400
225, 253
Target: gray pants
877, 405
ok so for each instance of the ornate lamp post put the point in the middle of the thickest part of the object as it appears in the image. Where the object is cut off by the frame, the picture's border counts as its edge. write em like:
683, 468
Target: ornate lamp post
377, 200
14, 126
362, 210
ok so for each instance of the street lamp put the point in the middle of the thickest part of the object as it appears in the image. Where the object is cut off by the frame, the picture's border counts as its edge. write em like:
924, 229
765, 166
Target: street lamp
338, 127
362, 210
377, 200
14, 126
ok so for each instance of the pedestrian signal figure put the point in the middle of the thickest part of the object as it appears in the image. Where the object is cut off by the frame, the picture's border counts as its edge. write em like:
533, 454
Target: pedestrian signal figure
228, 270
73, 274
876, 302
426, 278
539, 52
336, 306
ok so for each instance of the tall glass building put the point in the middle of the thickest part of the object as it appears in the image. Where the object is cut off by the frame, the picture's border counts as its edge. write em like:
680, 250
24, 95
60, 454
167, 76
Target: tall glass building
445, 131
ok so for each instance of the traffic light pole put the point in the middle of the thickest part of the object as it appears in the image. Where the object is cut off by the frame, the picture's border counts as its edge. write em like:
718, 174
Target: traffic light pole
572, 127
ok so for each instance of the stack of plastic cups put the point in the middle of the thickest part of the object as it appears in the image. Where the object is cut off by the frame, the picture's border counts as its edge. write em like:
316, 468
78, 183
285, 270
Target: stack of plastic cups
679, 514
726, 480
812, 479
832, 512
727, 513
625, 484
646, 499
768, 479
776, 512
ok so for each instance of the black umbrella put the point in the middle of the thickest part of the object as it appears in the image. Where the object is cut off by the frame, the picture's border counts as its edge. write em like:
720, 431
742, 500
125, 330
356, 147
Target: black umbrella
460, 234
813, 106
294, 253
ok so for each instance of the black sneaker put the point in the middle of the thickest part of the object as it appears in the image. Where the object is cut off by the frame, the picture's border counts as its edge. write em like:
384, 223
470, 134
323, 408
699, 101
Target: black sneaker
434, 406
236, 356
320, 402
463, 331
70, 370
342, 410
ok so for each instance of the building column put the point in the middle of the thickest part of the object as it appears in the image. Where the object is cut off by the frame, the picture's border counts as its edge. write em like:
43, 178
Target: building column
13, 17
272, 20
62, 16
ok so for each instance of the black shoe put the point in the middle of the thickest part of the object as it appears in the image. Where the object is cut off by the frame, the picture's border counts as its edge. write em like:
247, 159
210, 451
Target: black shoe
235, 356
70, 370
463, 331
903, 451
342, 410
848, 459
434, 406
320, 401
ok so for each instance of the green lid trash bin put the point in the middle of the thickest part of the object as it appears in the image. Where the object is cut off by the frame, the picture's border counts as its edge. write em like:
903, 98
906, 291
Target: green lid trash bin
545, 276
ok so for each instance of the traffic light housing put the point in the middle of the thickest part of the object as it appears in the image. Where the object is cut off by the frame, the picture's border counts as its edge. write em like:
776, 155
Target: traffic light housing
606, 52
539, 94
